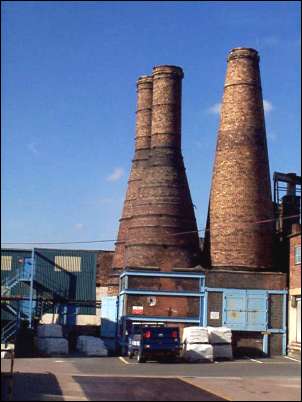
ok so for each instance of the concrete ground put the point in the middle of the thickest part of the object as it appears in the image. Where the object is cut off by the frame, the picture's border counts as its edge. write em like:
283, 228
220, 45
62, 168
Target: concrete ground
121, 379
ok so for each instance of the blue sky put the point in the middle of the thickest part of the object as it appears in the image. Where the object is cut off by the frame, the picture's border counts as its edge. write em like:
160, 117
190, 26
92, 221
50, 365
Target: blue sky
68, 102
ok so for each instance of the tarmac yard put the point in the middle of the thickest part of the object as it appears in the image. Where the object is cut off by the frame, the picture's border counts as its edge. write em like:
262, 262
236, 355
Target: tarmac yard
121, 379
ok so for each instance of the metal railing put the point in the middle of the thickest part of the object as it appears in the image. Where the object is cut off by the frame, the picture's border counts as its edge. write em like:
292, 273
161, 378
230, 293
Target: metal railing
10, 281
8, 331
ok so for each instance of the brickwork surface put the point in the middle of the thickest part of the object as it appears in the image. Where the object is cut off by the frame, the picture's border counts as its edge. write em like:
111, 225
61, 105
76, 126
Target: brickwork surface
246, 280
103, 267
166, 306
215, 303
164, 207
139, 164
295, 269
167, 284
241, 192
275, 344
275, 311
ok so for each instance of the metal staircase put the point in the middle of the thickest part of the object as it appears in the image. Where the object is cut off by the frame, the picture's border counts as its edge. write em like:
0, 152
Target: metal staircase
11, 281
24, 310
14, 308
8, 331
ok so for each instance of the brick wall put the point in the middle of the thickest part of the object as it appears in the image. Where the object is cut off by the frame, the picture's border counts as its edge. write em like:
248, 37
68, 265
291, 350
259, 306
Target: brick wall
103, 267
275, 311
295, 269
166, 306
215, 303
275, 344
246, 280
167, 284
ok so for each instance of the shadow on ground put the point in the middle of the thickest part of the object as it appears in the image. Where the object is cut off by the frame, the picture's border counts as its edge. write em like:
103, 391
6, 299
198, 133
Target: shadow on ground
32, 387
141, 389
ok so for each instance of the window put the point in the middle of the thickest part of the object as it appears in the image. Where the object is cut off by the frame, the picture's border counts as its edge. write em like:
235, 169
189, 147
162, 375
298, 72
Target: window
6, 262
298, 254
69, 263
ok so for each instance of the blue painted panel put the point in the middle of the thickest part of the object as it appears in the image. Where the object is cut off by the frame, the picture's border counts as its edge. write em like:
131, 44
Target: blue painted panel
234, 310
121, 306
256, 310
245, 310
27, 269
109, 316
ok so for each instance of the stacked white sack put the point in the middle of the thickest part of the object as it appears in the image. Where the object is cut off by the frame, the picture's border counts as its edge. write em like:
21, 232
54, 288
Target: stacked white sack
50, 331
91, 346
195, 335
198, 353
52, 346
223, 351
219, 335
80, 342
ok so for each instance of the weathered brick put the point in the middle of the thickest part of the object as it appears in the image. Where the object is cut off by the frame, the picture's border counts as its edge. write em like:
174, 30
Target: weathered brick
139, 163
241, 194
163, 208
295, 269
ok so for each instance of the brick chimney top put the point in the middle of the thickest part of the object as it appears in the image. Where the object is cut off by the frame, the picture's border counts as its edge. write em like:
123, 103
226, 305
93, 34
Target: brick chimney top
168, 69
246, 52
144, 79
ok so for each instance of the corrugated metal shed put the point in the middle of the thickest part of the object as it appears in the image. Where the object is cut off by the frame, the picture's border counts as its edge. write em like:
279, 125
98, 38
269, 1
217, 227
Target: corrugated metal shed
68, 273
63, 274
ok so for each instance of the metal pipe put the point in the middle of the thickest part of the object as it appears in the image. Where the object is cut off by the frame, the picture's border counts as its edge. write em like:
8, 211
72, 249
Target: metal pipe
31, 286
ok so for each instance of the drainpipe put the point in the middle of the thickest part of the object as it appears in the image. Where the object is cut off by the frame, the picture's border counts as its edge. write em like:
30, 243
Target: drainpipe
31, 286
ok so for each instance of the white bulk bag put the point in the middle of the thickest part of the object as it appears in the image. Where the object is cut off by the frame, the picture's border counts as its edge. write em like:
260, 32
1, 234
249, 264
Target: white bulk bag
195, 335
219, 335
91, 346
52, 346
198, 352
50, 331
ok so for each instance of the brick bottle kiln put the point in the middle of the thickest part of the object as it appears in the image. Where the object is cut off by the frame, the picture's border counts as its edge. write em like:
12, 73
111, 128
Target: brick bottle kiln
163, 208
162, 278
139, 164
241, 191
243, 286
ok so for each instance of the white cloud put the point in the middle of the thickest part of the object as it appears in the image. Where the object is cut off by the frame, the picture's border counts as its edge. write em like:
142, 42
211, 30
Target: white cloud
79, 226
116, 174
267, 106
215, 109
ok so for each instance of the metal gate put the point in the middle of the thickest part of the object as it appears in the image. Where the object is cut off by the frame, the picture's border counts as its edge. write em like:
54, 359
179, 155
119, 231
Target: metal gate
245, 310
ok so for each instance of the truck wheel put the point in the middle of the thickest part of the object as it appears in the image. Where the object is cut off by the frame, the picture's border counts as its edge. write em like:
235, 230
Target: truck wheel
140, 358
130, 355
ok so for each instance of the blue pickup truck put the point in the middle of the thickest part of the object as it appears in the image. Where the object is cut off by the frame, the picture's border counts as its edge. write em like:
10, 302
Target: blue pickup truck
150, 342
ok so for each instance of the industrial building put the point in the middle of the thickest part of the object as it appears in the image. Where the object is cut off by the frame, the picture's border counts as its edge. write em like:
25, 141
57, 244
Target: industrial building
236, 279
48, 286
160, 271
